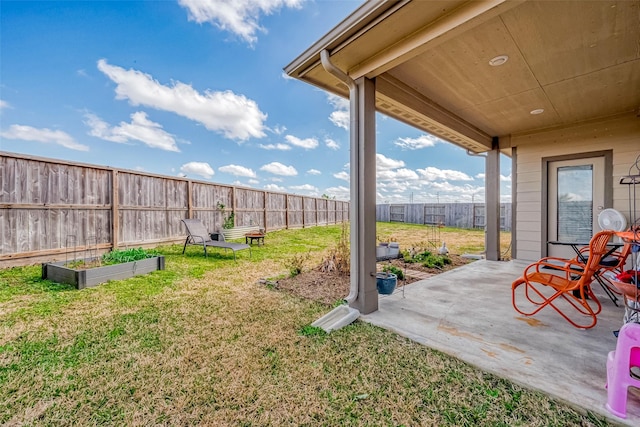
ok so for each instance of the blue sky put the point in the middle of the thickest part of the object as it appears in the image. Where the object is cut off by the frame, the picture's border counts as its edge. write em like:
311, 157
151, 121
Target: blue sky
195, 88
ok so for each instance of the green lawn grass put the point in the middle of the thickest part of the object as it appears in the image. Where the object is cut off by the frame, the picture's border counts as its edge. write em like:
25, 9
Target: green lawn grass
203, 343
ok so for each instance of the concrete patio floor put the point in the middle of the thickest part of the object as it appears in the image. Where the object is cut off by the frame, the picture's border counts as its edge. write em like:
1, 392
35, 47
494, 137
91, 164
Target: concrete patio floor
467, 313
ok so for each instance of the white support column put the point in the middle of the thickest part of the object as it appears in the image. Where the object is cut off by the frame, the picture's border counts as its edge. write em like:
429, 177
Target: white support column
492, 204
363, 196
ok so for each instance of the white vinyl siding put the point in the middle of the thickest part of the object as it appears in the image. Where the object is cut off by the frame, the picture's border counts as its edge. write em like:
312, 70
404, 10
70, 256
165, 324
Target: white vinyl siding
621, 135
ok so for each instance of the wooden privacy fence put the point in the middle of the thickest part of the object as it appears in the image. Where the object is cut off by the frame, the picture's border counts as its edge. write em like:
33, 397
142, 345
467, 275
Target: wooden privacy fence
460, 215
50, 208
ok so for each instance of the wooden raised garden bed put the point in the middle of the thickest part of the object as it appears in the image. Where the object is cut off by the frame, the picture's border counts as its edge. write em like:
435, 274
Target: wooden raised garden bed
86, 278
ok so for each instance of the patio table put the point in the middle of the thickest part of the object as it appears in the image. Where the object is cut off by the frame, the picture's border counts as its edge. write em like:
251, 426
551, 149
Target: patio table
254, 236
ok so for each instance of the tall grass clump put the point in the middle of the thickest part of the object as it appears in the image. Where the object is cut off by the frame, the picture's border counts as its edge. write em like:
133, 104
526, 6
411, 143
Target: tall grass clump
338, 258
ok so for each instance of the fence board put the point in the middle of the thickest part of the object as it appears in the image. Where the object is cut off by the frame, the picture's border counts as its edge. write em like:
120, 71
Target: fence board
309, 204
460, 215
44, 201
249, 207
295, 211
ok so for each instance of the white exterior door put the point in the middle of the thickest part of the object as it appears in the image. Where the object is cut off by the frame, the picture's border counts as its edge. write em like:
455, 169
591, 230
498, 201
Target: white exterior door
576, 197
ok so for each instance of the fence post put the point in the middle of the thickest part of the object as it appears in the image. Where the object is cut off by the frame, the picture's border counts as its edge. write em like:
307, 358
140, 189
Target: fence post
233, 203
115, 220
189, 199
264, 210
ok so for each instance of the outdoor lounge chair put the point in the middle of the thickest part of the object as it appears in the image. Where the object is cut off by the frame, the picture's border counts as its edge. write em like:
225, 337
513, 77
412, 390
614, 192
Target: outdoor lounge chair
198, 235
612, 262
568, 285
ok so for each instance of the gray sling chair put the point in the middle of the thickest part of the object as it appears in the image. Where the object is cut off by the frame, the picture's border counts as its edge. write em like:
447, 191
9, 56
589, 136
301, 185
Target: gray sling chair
198, 235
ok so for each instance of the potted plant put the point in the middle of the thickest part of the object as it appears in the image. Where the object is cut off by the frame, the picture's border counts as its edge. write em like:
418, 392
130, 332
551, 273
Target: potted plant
386, 282
228, 221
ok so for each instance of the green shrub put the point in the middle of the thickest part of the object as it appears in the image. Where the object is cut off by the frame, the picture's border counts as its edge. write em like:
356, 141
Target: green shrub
127, 255
295, 264
427, 259
394, 270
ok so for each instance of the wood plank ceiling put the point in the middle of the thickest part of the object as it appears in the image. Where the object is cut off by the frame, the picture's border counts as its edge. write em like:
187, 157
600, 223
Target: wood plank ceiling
576, 60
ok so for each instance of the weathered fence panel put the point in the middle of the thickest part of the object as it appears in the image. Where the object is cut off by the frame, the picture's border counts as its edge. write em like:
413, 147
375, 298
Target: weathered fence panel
310, 217
331, 211
50, 208
276, 211
321, 211
397, 213
414, 213
460, 215
249, 207
295, 211
383, 213
150, 208
434, 214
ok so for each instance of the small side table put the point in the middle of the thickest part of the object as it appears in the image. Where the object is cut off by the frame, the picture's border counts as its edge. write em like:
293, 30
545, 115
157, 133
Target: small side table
250, 237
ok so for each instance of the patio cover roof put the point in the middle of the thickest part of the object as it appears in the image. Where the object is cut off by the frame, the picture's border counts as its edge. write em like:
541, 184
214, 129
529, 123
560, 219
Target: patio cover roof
576, 60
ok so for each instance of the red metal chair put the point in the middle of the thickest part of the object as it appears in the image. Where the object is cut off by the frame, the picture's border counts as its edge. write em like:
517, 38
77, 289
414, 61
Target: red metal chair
552, 281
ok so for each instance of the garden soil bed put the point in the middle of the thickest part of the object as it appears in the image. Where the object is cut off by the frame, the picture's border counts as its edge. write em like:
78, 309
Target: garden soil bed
83, 277
328, 288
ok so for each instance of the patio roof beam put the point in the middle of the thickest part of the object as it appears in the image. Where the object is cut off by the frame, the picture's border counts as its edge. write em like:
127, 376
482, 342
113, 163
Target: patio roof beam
437, 119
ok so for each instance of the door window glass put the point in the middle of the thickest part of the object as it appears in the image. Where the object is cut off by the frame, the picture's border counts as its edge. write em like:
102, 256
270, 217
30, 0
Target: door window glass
575, 203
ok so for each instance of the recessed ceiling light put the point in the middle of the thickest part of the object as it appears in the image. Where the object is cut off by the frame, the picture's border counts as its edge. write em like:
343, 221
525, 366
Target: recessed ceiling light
537, 111
498, 60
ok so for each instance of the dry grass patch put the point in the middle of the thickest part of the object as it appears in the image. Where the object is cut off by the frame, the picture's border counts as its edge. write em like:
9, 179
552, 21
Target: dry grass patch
204, 344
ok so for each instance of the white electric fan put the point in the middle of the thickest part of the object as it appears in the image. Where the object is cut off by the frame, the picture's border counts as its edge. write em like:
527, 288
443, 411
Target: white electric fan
611, 219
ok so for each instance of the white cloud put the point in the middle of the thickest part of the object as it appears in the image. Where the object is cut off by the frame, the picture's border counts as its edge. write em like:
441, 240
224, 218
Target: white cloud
277, 168
140, 129
307, 143
386, 163
340, 117
331, 144
434, 174
197, 168
239, 16
234, 116
281, 147
279, 130
342, 175
253, 181
275, 187
314, 172
503, 178
402, 173
340, 192
423, 141
454, 193
306, 188
28, 133
4, 104
237, 171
